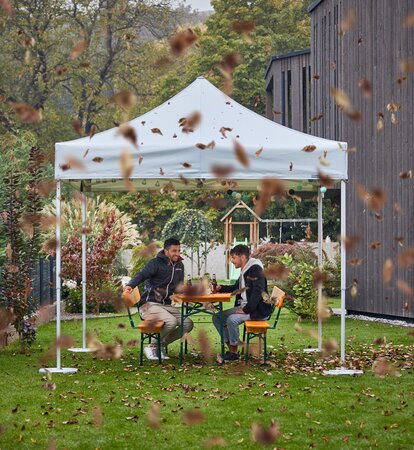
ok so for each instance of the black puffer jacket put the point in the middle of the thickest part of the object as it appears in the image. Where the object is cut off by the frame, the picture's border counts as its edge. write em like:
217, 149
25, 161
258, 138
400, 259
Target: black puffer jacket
255, 283
161, 277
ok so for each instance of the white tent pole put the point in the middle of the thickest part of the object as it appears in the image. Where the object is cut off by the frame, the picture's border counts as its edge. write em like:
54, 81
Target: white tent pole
343, 269
320, 262
83, 206
83, 267
58, 368
58, 271
343, 370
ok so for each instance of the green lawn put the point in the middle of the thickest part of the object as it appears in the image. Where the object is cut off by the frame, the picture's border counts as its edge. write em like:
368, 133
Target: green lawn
312, 410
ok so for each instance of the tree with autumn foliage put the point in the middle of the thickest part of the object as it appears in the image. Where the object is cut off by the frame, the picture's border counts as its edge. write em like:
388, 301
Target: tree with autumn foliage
251, 32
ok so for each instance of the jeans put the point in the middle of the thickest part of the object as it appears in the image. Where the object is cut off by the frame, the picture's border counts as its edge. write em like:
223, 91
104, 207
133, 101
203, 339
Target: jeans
171, 315
231, 324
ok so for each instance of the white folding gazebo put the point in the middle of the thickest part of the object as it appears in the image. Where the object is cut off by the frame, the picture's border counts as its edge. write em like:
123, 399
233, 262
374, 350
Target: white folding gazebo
165, 153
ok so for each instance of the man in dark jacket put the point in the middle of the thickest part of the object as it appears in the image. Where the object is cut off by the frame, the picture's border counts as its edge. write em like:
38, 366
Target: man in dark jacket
162, 276
249, 302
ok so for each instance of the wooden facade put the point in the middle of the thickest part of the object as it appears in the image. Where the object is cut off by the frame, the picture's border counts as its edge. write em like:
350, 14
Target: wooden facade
376, 47
288, 79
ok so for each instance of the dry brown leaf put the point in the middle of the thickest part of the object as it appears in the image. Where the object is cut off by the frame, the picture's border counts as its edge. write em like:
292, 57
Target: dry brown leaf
27, 114
382, 367
355, 261
93, 131
406, 175
407, 65
350, 242
192, 417
258, 152
78, 49
49, 246
341, 98
182, 40
243, 26
325, 179
75, 163
9, 251
6, 6
319, 277
229, 63
277, 272
190, 123
156, 131
125, 99
128, 132
215, 441
97, 159
387, 270
77, 126
140, 159
224, 130
348, 21
241, 154
404, 287
148, 251
154, 416
221, 171
97, 415
375, 245
263, 435
406, 259
408, 21
366, 87
126, 162
309, 148
269, 187
329, 346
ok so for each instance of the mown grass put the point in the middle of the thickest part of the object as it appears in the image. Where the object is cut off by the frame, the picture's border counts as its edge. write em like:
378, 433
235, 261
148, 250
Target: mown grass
312, 410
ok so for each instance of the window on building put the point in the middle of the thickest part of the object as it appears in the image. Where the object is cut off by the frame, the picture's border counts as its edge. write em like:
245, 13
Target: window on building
289, 99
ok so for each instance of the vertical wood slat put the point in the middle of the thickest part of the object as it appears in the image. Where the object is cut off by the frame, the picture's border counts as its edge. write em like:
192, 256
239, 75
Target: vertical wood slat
380, 157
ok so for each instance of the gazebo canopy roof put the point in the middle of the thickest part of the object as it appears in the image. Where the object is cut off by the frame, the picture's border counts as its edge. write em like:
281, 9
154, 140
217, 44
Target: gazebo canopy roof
165, 153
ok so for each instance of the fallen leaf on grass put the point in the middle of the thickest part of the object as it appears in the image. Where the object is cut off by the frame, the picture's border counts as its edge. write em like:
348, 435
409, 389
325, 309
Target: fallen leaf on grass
263, 435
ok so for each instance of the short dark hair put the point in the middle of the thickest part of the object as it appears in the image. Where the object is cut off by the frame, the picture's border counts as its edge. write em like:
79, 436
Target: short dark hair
240, 250
169, 242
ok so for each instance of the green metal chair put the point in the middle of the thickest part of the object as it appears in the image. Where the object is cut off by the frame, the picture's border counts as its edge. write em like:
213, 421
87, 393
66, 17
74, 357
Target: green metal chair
258, 328
148, 329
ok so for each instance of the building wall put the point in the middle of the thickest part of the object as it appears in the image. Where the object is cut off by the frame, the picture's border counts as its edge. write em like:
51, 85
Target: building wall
288, 91
372, 49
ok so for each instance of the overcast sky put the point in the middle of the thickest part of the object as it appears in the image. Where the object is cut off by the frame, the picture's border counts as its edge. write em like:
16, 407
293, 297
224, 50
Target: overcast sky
201, 5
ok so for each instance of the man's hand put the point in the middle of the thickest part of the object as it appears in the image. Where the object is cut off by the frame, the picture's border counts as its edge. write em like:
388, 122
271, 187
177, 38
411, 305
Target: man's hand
217, 289
239, 311
128, 290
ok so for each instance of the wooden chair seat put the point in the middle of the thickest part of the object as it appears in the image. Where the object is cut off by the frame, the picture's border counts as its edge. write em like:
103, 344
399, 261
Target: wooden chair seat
256, 326
150, 326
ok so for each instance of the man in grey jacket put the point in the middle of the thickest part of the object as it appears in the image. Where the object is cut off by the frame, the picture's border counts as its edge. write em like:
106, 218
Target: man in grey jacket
249, 301
162, 275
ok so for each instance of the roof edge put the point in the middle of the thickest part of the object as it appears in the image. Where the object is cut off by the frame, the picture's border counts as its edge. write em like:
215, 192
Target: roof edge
314, 5
284, 56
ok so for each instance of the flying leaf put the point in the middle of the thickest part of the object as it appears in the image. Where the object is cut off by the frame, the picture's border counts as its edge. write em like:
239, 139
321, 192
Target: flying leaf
243, 26
277, 272
263, 435
309, 148
27, 114
6, 6
128, 133
182, 40
221, 171
78, 49
259, 152
241, 154
224, 130
126, 162
192, 417
156, 131
269, 187
387, 270
125, 99
97, 159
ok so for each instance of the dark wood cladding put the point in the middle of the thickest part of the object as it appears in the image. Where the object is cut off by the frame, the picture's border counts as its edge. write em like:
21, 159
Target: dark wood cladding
288, 90
371, 49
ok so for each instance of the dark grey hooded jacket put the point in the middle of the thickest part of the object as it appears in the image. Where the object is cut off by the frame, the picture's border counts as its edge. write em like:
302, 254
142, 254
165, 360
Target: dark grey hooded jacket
161, 278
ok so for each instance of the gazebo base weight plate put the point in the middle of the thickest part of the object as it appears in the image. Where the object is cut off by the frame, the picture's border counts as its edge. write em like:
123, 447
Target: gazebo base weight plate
343, 371
57, 370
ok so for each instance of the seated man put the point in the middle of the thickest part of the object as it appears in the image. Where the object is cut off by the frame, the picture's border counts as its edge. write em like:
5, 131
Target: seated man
249, 302
162, 274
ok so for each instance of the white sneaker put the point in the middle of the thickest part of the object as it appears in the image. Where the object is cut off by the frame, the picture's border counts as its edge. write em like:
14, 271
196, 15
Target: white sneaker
164, 355
151, 353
